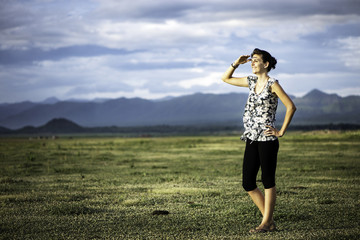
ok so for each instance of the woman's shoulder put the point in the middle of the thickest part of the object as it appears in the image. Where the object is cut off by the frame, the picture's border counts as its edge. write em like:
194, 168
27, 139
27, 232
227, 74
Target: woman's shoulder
272, 80
252, 78
273, 83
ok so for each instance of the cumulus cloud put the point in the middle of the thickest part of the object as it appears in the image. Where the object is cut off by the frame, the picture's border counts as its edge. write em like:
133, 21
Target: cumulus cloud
299, 83
159, 48
140, 23
351, 51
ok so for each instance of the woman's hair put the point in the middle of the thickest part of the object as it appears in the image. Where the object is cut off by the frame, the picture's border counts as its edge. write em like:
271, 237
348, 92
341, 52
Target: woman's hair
266, 57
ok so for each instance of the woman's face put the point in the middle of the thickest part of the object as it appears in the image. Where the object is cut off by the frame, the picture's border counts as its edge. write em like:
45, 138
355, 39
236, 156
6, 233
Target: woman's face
257, 64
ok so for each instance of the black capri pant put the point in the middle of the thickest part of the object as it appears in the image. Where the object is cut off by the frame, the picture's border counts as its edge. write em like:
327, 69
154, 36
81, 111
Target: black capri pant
260, 154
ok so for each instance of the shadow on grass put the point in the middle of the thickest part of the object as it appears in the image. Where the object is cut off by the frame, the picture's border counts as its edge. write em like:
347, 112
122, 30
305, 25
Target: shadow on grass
72, 208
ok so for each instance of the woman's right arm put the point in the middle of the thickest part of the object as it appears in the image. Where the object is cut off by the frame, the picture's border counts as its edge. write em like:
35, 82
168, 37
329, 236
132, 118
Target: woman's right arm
228, 78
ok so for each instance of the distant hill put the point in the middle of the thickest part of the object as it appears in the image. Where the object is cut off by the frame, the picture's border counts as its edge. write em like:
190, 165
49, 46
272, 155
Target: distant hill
315, 107
60, 126
50, 100
54, 126
5, 130
8, 109
64, 126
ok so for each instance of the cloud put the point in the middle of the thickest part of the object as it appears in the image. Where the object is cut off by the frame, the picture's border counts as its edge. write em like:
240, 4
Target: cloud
300, 83
143, 9
208, 80
190, 10
294, 28
149, 24
350, 47
24, 56
158, 48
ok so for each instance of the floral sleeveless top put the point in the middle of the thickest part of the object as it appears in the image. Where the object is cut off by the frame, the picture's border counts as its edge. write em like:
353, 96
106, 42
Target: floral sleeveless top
260, 111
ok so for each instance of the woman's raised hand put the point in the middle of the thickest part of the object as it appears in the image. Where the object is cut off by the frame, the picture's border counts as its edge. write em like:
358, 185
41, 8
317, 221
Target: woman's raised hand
242, 59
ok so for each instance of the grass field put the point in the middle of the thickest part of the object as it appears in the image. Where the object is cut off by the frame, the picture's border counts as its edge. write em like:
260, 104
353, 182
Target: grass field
114, 188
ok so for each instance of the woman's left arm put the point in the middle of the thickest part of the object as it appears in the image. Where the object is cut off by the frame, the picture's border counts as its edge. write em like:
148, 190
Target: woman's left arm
290, 110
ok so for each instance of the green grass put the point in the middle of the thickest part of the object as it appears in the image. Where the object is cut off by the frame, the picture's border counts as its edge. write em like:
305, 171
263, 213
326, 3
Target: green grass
109, 188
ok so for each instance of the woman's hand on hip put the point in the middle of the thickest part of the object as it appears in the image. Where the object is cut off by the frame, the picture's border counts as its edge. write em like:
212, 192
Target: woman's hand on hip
271, 131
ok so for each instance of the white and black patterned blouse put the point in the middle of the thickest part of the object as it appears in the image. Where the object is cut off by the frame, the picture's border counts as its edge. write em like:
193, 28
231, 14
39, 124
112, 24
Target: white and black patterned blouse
259, 111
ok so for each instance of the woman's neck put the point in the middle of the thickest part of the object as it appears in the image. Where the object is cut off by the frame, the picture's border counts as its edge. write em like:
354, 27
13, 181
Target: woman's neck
262, 77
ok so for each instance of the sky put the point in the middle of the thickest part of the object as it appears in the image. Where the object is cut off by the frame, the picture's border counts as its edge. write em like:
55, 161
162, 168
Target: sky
154, 49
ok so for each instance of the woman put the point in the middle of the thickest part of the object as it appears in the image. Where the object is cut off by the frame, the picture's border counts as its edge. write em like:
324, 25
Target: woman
260, 134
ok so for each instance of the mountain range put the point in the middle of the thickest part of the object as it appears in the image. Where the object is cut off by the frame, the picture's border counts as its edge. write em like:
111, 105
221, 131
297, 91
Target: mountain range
315, 108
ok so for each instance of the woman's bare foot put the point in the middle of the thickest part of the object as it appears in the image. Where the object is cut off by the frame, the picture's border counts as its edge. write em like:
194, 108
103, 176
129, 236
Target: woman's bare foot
264, 228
